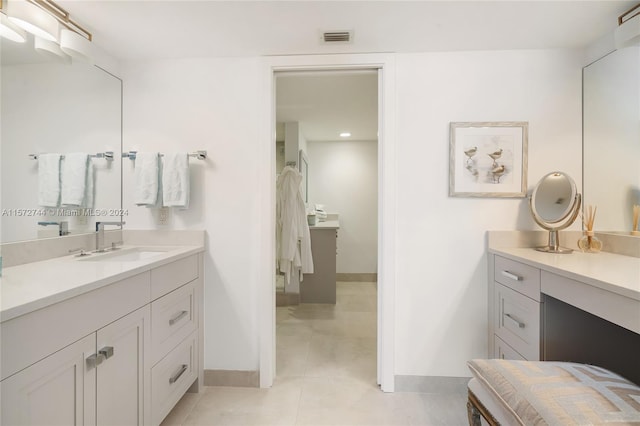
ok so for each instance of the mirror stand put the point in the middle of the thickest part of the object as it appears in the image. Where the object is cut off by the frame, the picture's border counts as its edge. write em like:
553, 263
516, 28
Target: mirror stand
554, 240
554, 244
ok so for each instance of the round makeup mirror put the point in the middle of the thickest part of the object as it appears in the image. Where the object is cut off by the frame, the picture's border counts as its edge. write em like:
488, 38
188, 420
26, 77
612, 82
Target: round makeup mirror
555, 203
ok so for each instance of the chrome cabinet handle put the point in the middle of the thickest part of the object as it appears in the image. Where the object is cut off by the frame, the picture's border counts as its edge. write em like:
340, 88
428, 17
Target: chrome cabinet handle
106, 352
94, 360
518, 323
512, 276
178, 317
176, 376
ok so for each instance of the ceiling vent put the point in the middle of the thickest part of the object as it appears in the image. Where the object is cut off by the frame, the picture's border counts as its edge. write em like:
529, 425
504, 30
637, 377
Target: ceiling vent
337, 36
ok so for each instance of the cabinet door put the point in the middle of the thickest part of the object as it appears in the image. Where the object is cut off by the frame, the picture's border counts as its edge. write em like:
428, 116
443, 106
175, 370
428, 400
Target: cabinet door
120, 374
58, 390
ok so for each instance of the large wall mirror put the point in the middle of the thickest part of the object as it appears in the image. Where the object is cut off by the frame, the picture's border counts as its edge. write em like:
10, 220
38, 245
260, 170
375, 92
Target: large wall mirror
55, 106
611, 145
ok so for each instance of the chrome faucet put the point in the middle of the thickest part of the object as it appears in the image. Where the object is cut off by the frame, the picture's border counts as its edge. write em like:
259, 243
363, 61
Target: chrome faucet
63, 226
100, 234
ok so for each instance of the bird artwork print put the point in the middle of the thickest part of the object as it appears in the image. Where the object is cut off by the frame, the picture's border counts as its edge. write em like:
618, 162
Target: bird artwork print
470, 153
497, 173
495, 155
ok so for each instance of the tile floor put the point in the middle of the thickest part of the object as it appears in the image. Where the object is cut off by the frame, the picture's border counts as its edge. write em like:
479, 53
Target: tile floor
326, 375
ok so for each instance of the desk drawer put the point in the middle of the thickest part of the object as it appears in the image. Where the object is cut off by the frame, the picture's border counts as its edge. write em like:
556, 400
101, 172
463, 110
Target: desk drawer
517, 321
522, 278
504, 351
173, 318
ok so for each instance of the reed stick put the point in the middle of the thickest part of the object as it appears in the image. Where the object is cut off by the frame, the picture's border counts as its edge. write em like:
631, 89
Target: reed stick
636, 217
589, 217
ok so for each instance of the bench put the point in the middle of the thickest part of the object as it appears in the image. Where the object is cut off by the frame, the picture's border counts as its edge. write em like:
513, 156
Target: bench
510, 392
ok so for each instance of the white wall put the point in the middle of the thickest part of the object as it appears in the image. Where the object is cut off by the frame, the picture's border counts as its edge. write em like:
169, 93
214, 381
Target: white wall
441, 286
343, 175
206, 104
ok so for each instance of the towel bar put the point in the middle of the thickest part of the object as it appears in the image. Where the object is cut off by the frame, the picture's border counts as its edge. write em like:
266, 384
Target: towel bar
108, 155
200, 155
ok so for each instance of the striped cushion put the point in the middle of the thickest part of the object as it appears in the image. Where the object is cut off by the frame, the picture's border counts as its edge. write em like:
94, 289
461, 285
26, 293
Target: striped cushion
559, 393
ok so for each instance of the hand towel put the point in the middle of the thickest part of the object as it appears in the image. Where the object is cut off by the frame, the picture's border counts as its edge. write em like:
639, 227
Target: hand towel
147, 177
89, 190
175, 180
74, 179
48, 180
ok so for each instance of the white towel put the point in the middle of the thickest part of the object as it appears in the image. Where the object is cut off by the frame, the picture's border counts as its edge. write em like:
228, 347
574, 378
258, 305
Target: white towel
147, 176
89, 190
74, 179
48, 180
175, 180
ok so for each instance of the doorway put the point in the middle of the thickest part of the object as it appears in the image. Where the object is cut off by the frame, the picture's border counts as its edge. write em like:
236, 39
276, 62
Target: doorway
327, 130
384, 64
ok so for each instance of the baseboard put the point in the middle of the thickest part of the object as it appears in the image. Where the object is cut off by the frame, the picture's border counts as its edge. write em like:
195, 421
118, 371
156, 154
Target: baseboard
431, 384
238, 378
357, 277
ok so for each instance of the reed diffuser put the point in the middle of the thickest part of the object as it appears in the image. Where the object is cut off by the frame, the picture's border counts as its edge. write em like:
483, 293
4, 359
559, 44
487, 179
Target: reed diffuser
636, 220
589, 243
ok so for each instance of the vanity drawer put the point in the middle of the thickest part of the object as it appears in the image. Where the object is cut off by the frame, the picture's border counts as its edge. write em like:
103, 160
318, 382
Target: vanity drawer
504, 351
518, 276
172, 376
173, 318
167, 278
517, 321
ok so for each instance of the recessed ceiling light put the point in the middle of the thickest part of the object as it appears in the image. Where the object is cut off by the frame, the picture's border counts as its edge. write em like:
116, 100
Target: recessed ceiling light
345, 134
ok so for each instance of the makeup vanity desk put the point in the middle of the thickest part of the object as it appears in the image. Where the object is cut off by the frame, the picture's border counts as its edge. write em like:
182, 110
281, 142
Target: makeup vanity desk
579, 307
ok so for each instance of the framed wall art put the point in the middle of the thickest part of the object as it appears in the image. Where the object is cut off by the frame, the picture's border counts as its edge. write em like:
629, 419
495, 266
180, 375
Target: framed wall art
488, 159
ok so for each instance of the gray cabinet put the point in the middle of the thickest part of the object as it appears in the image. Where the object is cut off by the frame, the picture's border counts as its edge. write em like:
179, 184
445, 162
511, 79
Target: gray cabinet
320, 287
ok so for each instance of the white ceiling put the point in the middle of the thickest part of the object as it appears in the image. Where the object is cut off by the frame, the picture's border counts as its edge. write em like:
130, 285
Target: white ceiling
148, 29
328, 103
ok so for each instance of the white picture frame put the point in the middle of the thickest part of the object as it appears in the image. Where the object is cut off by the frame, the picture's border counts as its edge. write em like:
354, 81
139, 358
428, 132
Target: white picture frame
488, 159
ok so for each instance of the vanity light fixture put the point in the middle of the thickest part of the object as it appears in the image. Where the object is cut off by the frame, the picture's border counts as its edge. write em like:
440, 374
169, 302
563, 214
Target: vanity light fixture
76, 46
33, 19
50, 49
50, 22
345, 134
628, 33
11, 31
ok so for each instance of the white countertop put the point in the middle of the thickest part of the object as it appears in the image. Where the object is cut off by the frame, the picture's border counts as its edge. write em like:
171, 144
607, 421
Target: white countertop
26, 288
612, 272
327, 224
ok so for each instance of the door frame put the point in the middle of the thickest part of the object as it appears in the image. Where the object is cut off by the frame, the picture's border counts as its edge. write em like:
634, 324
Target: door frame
265, 273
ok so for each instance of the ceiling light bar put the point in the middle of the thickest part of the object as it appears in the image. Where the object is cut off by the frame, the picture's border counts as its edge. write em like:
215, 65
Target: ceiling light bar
38, 16
33, 19
63, 17
11, 31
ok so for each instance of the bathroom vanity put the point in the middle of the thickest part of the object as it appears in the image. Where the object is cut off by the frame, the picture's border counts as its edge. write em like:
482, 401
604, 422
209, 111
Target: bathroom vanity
320, 287
578, 307
106, 339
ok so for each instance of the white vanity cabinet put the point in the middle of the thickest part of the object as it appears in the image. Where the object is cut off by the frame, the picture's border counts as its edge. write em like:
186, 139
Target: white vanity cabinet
174, 334
84, 385
515, 315
57, 390
122, 354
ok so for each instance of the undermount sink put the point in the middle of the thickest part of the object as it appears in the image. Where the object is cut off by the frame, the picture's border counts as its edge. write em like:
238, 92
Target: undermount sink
125, 255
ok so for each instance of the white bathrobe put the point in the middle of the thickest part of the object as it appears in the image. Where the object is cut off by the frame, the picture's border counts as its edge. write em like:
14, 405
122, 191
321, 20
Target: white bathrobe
292, 230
